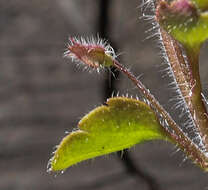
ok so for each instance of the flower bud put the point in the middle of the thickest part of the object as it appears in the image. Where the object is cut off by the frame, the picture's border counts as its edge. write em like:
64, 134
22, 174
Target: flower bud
178, 14
91, 52
184, 21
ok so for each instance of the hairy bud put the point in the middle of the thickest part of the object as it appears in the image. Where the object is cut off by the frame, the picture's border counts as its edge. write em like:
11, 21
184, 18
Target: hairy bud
90, 52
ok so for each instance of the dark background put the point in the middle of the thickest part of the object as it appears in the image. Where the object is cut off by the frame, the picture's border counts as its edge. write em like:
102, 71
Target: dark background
42, 95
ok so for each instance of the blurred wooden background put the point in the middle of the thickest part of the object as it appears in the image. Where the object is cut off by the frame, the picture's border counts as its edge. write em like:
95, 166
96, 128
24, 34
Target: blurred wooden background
42, 95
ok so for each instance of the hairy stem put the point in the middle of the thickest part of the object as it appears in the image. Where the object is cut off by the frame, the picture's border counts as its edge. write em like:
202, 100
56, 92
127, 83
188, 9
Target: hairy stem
186, 75
181, 70
177, 135
198, 110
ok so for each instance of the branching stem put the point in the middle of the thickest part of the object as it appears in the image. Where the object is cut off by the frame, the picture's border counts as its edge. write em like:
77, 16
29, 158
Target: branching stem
186, 75
177, 136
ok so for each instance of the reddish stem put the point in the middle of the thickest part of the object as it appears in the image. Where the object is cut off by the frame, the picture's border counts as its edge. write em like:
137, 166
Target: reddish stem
186, 75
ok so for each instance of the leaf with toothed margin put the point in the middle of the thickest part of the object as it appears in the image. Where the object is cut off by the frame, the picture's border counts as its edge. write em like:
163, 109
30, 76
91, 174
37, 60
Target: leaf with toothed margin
120, 124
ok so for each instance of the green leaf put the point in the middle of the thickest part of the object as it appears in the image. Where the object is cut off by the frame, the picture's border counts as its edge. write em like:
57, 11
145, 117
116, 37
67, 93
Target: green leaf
122, 123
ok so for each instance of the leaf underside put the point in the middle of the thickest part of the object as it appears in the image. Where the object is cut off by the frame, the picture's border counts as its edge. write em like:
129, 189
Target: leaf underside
122, 123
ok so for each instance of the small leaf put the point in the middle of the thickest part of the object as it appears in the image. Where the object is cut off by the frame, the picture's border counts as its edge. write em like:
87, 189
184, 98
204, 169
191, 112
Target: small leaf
122, 123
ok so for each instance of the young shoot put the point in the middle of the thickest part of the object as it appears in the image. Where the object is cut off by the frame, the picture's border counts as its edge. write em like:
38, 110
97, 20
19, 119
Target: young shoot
124, 122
